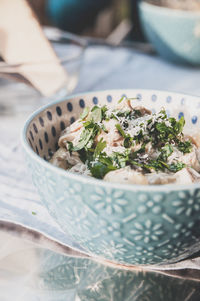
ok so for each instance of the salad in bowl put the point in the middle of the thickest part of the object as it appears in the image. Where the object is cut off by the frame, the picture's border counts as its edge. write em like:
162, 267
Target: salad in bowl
128, 144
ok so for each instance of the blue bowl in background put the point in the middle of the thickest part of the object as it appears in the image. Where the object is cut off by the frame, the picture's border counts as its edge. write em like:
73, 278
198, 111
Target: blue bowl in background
174, 33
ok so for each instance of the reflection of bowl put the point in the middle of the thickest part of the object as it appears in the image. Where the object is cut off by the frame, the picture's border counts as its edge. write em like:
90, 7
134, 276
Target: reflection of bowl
129, 224
17, 96
90, 281
174, 33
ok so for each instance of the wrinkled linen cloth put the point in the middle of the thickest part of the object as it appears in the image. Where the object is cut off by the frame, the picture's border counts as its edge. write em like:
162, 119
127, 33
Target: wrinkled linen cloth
103, 68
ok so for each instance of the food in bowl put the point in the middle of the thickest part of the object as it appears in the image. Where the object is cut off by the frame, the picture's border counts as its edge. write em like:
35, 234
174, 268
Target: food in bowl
128, 144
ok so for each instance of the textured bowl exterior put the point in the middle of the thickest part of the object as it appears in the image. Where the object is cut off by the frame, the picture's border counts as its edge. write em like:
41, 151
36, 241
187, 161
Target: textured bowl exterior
175, 34
127, 224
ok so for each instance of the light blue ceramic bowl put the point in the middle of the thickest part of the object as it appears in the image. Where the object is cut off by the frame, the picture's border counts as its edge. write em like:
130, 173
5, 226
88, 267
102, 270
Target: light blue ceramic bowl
127, 224
174, 33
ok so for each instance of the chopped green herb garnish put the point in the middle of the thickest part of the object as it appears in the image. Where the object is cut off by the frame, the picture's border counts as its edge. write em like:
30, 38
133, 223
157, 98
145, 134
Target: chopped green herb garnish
166, 151
84, 113
84, 139
104, 128
96, 114
162, 134
99, 170
122, 98
128, 141
70, 146
99, 148
121, 159
120, 130
185, 146
174, 167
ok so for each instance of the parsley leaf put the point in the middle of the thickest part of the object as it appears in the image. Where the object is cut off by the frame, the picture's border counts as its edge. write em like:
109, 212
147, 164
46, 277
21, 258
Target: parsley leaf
84, 139
104, 109
128, 141
70, 147
99, 148
96, 114
177, 125
121, 159
122, 98
174, 167
99, 169
185, 147
120, 130
84, 113
166, 151
87, 136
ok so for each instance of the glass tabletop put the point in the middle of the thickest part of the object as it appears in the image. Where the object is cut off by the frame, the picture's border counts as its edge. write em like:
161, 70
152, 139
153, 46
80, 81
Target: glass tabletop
31, 272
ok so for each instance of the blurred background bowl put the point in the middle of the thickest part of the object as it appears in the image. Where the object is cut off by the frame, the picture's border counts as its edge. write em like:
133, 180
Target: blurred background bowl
174, 33
127, 224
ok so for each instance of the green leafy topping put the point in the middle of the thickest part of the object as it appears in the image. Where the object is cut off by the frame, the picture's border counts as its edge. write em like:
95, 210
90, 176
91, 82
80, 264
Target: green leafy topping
174, 167
104, 128
166, 151
120, 130
122, 98
99, 148
84, 113
162, 134
84, 139
96, 114
112, 116
128, 141
87, 136
136, 114
177, 125
104, 109
99, 170
121, 159
157, 165
70, 147
125, 114
185, 146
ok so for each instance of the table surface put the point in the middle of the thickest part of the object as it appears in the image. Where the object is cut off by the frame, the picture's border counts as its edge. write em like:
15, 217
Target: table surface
103, 68
29, 272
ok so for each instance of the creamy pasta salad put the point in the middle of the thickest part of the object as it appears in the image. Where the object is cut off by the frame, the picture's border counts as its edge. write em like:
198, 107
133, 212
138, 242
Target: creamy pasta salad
129, 144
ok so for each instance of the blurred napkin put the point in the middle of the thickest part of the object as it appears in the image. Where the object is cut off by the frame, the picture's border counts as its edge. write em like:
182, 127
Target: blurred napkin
23, 44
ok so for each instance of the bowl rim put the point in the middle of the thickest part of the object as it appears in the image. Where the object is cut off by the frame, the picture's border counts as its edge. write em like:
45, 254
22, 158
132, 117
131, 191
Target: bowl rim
167, 188
167, 10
